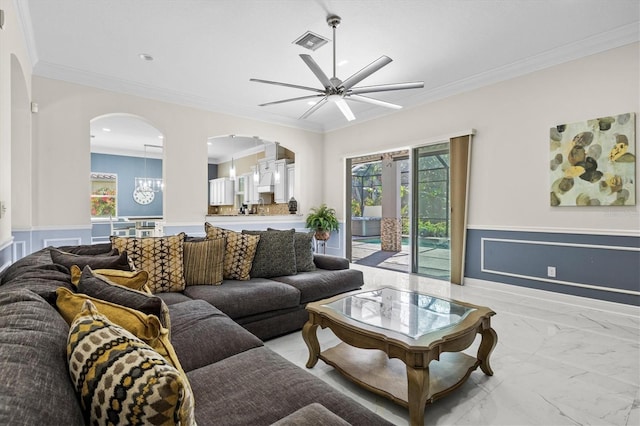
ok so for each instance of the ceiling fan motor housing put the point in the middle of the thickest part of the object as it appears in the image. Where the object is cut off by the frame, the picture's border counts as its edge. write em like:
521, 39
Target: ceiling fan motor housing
333, 21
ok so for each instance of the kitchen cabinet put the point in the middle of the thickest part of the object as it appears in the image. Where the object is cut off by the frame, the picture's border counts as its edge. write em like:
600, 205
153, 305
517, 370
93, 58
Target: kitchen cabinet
251, 196
291, 179
280, 179
221, 192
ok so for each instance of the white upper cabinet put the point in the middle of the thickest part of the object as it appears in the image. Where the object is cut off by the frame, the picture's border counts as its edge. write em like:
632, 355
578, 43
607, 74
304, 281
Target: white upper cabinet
221, 192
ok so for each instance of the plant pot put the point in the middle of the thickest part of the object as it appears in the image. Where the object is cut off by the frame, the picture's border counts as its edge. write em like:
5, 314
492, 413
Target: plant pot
322, 235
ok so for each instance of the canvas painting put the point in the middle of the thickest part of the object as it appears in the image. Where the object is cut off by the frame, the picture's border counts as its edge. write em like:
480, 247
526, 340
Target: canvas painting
593, 162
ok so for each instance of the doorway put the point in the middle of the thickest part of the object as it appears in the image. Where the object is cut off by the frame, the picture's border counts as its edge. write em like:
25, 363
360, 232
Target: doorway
378, 200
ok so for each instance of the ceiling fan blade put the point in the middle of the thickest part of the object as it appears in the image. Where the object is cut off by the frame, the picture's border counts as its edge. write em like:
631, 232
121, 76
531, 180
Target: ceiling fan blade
387, 87
365, 72
317, 71
313, 108
291, 100
295, 86
344, 108
372, 101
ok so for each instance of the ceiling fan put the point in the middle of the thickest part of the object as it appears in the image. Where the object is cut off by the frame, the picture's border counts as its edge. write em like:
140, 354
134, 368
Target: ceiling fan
335, 90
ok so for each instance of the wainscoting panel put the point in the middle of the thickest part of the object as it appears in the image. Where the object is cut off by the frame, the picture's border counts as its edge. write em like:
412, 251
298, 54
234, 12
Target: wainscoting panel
6, 248
605, 267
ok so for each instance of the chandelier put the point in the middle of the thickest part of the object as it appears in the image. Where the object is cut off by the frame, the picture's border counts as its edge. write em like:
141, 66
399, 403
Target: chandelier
146, 183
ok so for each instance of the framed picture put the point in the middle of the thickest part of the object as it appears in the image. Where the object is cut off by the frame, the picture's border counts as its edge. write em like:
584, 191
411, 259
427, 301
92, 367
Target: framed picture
593, 162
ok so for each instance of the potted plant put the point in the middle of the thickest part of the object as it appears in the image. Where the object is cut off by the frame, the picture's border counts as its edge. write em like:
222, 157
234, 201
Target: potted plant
322, 220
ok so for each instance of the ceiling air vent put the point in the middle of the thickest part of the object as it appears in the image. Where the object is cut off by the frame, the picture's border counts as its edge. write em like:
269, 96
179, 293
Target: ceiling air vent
311, 41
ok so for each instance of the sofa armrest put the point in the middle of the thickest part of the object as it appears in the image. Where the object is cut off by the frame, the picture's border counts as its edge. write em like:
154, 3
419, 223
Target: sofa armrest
312, 414
329, 262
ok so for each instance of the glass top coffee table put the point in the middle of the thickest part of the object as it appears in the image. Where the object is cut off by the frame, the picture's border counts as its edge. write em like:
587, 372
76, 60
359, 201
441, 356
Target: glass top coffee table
401, 344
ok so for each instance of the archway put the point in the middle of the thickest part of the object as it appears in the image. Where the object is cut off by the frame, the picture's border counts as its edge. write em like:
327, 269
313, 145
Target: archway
126, 171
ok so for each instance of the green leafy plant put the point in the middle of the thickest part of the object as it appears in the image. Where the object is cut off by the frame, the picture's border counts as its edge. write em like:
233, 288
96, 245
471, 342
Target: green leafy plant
322, 218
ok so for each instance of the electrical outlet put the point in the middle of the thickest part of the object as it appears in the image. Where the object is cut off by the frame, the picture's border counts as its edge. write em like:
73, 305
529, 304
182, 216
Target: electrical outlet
551, 271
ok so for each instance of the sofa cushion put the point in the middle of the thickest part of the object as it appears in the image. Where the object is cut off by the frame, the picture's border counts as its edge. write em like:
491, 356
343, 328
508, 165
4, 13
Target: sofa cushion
275, 254
201, 334
312, 414
320, 284
118, 261
97, 286
122, 380
271, 386
161, 257
173, 298
242, 298
38, 258
42, 279
33, 367
240, 249
204, 261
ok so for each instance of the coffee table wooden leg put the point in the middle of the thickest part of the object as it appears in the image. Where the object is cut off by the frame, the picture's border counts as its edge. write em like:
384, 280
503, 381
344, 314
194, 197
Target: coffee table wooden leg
489, 341
311, 339
418, 382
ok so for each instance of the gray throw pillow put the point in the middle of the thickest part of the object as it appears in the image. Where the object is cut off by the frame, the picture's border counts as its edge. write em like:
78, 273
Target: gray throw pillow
275, 254
120, 261
303, 245
101, 288
304, 251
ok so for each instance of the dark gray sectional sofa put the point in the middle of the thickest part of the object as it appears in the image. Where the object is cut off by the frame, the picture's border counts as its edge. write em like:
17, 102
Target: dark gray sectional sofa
235, 379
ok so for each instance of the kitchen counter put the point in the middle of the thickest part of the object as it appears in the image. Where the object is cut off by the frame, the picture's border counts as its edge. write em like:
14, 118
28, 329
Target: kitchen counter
256, 221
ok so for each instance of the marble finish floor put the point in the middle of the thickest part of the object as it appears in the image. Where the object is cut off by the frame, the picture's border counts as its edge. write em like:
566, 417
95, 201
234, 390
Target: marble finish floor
560, 360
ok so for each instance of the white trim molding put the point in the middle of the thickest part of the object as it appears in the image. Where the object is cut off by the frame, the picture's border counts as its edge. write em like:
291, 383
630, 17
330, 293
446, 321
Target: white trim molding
483, 268
579, 231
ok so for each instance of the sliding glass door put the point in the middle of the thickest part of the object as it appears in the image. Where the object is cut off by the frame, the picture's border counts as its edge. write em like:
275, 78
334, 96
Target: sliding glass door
431, 224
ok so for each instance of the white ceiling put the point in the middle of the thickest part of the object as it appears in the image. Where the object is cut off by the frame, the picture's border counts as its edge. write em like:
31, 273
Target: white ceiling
205, 51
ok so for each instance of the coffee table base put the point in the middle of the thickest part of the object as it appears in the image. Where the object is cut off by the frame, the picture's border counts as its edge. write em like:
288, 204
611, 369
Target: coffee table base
371, 369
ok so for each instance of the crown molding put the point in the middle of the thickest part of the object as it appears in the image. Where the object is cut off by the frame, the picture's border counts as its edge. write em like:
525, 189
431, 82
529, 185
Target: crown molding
618, 37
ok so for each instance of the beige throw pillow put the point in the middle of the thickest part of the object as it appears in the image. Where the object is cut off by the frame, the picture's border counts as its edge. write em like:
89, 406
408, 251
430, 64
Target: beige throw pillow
204, 262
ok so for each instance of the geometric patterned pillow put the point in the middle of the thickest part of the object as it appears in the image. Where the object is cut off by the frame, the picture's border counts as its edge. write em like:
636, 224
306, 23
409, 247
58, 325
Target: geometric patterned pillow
204, 262
122, 380
161, 257
240, 249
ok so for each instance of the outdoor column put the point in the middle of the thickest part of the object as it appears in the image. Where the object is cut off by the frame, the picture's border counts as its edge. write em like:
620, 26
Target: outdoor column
391, 225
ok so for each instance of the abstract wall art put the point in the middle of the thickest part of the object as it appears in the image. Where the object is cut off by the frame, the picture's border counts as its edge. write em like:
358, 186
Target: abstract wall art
593, 162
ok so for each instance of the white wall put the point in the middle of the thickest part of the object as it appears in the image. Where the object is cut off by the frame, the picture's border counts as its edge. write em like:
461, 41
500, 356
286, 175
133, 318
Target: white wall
62, 152
510, 159
12, 50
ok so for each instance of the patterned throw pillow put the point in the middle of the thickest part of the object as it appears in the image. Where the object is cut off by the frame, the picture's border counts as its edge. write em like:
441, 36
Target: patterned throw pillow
240, 250
161, 257
119, 261
204, 262
120, 379
275, 255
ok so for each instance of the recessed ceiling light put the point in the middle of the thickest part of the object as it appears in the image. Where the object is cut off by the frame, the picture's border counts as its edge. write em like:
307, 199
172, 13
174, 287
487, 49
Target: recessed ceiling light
312, 103
209, 143
343, 62
145, 57
104, 129
160, 137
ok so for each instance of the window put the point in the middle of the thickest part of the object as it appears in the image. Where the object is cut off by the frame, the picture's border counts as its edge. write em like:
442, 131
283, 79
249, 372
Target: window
104, 191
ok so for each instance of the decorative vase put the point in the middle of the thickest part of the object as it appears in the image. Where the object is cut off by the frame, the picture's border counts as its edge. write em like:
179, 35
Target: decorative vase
293, 206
